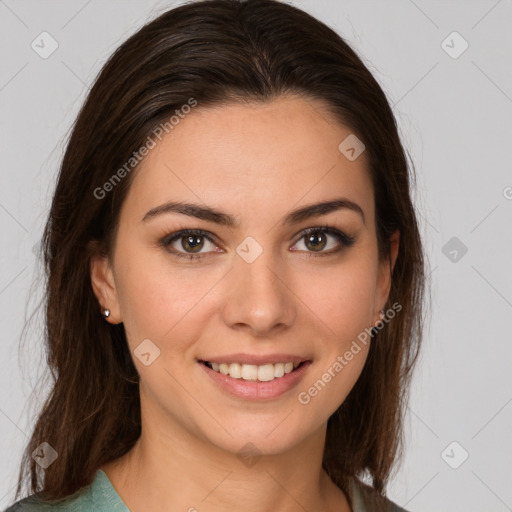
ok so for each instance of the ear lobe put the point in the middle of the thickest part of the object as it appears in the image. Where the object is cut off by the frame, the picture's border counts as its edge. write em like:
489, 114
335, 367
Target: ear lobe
103, 286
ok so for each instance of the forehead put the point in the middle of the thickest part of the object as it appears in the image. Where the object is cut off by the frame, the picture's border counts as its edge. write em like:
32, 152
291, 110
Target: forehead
261, 156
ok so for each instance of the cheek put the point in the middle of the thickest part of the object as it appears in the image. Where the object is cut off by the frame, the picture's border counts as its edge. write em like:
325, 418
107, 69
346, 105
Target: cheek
160, 303
340, 298
341, 303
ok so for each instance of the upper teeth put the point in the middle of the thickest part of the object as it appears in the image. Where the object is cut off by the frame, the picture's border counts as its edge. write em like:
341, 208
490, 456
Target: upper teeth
265, 372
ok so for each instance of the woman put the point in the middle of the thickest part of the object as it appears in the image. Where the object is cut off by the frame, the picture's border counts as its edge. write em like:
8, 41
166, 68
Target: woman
235, 276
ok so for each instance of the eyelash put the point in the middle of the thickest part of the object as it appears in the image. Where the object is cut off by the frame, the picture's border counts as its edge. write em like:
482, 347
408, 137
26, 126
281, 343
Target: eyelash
344, 239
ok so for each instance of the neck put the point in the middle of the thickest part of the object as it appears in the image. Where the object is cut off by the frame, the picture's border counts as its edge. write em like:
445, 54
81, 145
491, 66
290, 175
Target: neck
171, 468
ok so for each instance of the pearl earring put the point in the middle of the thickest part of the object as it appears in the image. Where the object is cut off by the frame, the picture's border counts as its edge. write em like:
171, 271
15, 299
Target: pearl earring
106, 313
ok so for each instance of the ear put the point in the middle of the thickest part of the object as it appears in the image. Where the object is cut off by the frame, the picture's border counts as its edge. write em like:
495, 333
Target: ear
385, 275
104, 287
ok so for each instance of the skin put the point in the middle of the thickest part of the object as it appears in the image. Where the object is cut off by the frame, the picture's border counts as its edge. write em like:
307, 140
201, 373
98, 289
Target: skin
257, 163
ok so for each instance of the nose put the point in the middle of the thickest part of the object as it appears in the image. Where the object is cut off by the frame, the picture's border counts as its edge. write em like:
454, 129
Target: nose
258, 298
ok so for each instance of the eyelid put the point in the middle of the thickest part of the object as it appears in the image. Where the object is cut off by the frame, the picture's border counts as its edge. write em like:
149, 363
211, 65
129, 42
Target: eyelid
344, 240
347, 239
167, 240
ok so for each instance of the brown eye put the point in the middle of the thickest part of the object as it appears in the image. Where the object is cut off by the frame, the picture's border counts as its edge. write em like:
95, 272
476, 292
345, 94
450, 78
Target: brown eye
189, 243
316, 241
192, 243
323, 240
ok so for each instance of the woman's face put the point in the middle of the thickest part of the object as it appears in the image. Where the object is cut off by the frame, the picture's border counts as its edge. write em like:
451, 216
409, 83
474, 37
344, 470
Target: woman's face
248, 289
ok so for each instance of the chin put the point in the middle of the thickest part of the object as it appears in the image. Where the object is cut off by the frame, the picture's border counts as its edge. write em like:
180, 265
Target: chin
269, 434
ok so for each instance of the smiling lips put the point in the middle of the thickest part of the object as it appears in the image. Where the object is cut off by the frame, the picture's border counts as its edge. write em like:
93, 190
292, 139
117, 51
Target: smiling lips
256, 377
252, 372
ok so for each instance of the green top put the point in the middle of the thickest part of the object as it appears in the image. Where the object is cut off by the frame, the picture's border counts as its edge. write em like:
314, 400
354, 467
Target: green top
101, 496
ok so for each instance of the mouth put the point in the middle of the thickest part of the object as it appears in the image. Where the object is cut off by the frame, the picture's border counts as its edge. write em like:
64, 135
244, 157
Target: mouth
256, 378
255, 373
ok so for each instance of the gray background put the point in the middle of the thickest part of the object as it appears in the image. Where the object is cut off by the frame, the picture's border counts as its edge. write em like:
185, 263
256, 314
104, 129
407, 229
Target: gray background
454, 115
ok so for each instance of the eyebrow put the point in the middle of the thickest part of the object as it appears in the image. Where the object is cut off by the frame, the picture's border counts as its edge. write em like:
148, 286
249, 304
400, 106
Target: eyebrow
213, 215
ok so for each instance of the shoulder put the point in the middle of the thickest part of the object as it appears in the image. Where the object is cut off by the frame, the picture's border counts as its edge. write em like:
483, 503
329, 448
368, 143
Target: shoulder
78, 502
33, 504
27, 505
99, 496
365, 498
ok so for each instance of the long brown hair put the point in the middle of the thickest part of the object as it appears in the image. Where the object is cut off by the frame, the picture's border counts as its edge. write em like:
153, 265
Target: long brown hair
216, 52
